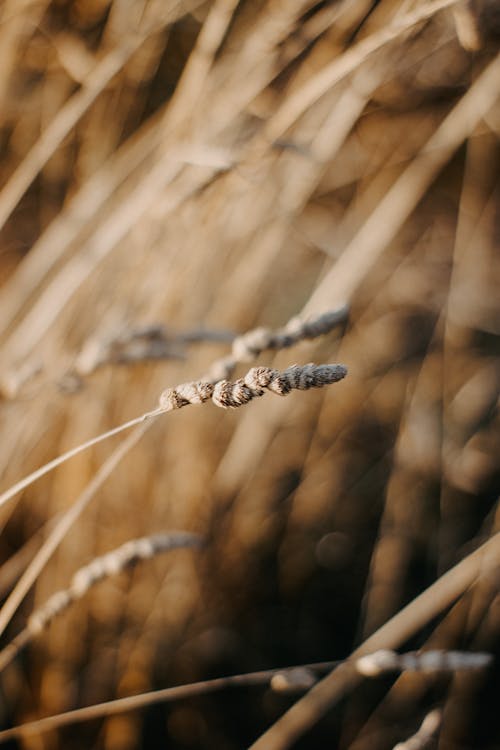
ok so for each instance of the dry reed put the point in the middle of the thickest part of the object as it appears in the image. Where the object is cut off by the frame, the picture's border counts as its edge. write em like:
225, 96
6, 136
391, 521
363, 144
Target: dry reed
342, 680
218, 166
425, 734
291, 679
381, 662
112, 563
254, 384
228, 394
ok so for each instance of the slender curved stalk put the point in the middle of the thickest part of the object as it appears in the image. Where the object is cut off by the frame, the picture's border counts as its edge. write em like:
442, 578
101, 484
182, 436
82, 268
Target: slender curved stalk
132, 702
323, 696
38, 473
64, 524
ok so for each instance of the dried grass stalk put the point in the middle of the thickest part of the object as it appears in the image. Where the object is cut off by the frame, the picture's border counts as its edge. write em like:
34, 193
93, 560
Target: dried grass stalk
141, 343
426, 733
233, 394
248, 346
385, 660
156, 342
73, 110
408, 621
112, 563
226, 394
393, 210
63, 525
134, 702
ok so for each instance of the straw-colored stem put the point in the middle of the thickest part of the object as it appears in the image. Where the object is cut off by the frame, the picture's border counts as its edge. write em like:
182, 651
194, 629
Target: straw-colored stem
134, 702
47, 468
386, 661
327, 692
295, 106
323, 696
426, 732
64, 524
277, 678
72, 111
224, 394
397, 204
129, 554
295, 330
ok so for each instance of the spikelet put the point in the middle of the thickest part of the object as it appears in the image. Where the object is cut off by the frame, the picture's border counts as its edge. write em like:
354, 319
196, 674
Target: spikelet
384, 661
425, 734
107, 565
233, 394
249, 345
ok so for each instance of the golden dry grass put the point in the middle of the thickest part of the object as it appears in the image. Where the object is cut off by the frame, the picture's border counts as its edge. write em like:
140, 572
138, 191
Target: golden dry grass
174, 174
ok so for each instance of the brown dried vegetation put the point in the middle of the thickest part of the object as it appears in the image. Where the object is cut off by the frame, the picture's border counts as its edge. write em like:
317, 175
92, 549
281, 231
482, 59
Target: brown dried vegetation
173, 175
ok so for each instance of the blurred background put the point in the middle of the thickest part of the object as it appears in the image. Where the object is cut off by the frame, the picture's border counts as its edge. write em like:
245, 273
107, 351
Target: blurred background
176, 173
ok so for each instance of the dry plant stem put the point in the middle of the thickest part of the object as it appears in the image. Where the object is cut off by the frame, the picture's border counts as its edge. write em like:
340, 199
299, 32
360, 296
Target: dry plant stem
126, 556
65, 284
426, 733
165, 170
11, 30
64, 121
133, 702
63, 287
156, 342
81, 209
398, 203
318, 324
231, 395
71, 113
326, 693
64, 524
200, 62
338, 70
14, 566
325, 79
323, 696
386, 661
251, 344
138, 344
223, 394
47, 468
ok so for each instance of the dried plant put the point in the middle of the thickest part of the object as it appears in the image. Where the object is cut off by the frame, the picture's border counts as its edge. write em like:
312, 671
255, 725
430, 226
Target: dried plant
385, 661
271, 677
176, 168
138, 344
426, 732
257, 380
250, 345
226, 394
112, 563
326, 693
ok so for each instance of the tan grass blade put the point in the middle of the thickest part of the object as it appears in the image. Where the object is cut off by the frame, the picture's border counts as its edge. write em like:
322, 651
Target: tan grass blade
23, 483
345, 677
425, 734
71, 113
79, 212
154, 697
393, 210
309, 709
112, 563
14, 16
124, 216
295, 105
200, 391
63, 525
